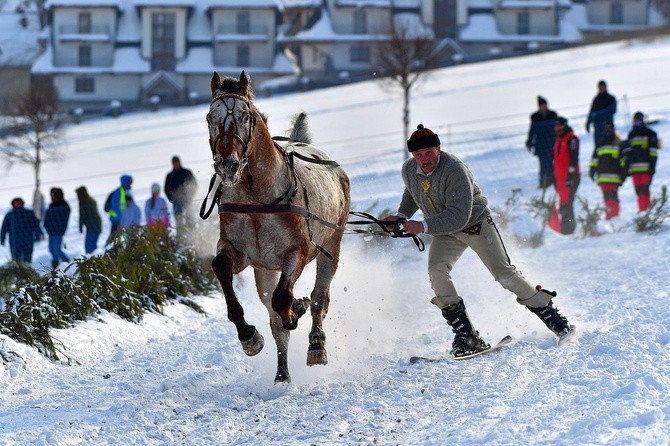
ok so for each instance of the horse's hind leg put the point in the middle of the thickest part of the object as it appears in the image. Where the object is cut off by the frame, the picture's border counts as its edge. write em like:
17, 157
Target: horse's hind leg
266, 281
325, 270
251, 339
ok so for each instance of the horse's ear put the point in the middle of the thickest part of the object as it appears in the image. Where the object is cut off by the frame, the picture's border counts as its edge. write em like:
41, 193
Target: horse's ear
244, 81
216, 82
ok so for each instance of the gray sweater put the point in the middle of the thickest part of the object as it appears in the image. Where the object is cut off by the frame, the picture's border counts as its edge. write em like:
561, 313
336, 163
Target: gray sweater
452, 200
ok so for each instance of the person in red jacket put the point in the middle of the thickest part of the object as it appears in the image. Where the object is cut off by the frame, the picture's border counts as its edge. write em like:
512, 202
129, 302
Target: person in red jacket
566, 173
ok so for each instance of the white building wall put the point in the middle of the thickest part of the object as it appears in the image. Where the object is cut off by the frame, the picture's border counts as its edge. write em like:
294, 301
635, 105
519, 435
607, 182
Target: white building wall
65, 23
634, 12
542, 21
107, 88
180, 30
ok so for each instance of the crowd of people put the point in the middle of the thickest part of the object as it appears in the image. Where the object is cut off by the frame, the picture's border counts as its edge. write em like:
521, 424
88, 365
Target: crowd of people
22, 228
556, 145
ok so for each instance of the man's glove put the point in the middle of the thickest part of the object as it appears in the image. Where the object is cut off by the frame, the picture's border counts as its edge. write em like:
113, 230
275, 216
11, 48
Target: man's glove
592, 173
588, 127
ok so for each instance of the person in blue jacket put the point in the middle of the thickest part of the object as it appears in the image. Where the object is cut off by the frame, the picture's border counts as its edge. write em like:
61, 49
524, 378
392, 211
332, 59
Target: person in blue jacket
55, 223
603, 108
23, 229
116, 204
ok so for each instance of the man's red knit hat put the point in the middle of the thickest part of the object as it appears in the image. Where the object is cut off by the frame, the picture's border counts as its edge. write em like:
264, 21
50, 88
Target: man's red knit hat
422, 138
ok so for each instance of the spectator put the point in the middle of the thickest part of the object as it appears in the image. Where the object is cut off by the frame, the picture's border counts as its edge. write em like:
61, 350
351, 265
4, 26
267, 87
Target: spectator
566, 174
602, 111
540, 141
132, 215
607, 169
116, 204
23, 229
180, 188
640, 155
155, 209
89, 218
55, 223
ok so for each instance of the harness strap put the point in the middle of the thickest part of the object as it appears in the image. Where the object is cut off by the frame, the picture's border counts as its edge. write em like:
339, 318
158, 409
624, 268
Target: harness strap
398, 233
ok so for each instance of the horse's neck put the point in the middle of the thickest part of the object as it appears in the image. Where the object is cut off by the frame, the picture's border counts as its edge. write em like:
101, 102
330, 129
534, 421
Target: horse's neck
266, 167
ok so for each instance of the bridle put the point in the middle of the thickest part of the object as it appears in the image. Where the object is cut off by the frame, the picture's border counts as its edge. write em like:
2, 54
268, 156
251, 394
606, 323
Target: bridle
230, 116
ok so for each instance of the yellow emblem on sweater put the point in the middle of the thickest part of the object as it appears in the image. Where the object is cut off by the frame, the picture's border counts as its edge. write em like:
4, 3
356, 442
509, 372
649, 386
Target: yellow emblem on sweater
425, 185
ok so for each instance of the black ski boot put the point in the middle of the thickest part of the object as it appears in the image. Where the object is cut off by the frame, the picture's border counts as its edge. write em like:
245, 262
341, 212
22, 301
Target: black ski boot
553, 319
466, 338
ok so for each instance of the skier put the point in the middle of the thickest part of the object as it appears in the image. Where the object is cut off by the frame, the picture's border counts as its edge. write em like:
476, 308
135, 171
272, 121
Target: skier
607, 169
640, 155
457, 216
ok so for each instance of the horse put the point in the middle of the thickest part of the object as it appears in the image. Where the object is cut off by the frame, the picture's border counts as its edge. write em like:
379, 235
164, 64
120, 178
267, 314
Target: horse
279, 209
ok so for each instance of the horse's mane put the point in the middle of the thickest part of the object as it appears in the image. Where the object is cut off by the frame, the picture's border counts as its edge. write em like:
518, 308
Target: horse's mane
234, 86
299, 130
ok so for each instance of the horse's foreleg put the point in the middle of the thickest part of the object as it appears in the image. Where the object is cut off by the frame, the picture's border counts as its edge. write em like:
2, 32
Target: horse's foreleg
288, 308
252, 341
325, 270
266, 281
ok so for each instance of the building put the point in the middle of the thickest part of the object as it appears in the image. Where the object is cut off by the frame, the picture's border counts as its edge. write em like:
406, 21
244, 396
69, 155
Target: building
146, 51
164, 51
19, 32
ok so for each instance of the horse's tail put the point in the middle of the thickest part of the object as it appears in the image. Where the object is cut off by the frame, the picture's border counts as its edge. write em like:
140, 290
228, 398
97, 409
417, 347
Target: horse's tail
299, 131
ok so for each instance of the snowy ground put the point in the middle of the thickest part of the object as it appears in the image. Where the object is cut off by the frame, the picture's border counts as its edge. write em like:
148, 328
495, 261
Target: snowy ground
183, 378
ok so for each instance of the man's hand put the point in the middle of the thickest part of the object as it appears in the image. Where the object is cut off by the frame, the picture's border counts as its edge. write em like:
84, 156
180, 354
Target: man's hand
588, 127
413, 227
393, 223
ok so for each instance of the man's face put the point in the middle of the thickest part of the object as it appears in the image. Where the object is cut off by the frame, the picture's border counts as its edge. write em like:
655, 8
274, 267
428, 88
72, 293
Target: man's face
559, 128
602, 88
427, 158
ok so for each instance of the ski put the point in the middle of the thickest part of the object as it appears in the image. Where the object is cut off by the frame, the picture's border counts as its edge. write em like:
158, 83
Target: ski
502, 343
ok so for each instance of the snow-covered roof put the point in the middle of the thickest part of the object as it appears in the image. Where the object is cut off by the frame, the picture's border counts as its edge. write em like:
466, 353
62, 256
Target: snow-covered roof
378, 3
301, 3
413, 26
83, 3
483, 28
18, 44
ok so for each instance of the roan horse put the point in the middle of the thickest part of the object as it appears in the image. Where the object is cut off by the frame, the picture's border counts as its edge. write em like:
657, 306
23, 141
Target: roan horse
277, 213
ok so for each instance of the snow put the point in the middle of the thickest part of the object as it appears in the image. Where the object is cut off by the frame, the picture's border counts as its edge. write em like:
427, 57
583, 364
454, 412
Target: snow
183, 379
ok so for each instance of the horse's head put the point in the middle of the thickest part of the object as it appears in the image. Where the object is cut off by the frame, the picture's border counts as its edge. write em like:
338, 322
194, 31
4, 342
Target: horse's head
232, 121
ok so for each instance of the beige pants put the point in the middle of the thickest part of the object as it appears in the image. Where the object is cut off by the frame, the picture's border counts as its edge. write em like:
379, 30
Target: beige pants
485, 240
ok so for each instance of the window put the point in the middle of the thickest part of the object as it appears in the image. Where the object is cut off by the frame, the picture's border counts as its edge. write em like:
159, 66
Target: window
523, 23
359, 54
163, 41
243, 23
84, 56
84, 23
360, 22
84, 85
243, 56
616, 13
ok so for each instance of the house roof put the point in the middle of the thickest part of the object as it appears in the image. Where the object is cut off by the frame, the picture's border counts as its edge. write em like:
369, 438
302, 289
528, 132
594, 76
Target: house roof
18, 44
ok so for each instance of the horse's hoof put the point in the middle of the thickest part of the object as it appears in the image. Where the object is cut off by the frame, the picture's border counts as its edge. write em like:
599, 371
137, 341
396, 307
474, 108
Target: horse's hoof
253, 345
317, 357
298, 309
282, 378
300, 306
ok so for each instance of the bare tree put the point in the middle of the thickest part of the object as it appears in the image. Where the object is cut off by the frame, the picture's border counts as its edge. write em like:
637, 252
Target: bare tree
405, 59
32, 134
